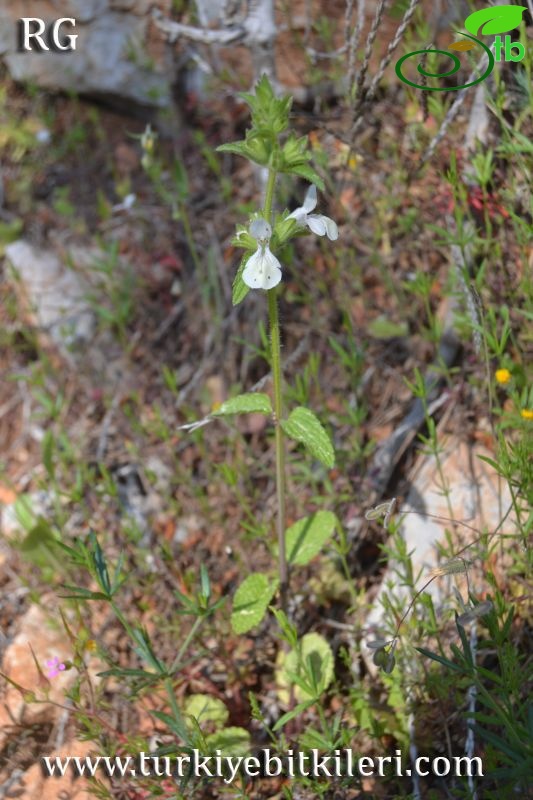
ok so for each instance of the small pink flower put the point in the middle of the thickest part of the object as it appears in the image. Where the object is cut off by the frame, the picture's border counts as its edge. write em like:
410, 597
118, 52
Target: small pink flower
54, 667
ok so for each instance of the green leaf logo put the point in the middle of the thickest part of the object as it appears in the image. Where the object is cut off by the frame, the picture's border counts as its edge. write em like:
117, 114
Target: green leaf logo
497, 19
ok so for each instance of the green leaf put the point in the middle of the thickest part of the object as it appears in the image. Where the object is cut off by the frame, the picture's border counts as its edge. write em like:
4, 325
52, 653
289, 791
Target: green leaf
78, 593
304, 427
230, 741
48, 453
313, 656
251, 601
440, 659
383, 328
496, 19
205, 708
239, 290
129, 673
145, 650
305, 539
175, 725
100, 564
253, 152
255, 147
299, 709
307, 172
250, 403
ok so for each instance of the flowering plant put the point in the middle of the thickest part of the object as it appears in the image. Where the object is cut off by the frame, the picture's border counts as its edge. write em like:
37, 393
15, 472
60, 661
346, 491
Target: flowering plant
269, 144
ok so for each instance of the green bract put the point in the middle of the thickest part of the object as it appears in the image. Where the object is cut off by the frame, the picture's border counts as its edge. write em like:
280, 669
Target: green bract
294, 158
270, 118
270, 114
254, 147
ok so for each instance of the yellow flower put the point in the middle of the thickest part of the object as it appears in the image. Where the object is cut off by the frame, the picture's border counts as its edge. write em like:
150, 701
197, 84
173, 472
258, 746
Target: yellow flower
502, 376
527, 413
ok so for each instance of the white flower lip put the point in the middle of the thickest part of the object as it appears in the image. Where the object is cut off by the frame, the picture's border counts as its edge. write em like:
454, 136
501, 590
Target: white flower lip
318, 223
262, 270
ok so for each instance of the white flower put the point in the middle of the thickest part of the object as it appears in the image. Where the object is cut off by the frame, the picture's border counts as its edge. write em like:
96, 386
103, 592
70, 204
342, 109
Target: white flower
318, 223
263, 270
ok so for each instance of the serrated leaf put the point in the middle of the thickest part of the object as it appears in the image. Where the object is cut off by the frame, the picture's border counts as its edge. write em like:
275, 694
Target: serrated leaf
252, 148
239, 290
304, 540
303, 426
269, 113
313, 654
230, 741
205, 708
239, 148
307, 172
250, 403
496, 19
251, 601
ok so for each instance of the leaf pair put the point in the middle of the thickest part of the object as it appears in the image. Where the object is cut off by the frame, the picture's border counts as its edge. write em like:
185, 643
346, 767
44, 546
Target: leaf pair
302, 425
303, 541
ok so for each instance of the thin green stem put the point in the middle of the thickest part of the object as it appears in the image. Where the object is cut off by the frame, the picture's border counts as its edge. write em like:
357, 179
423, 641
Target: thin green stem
280, 444
275, 346
169, 688
184, 647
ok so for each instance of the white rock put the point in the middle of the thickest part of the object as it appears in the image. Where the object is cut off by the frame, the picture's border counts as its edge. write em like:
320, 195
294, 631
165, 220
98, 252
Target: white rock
477, 496
116, 54
56, 294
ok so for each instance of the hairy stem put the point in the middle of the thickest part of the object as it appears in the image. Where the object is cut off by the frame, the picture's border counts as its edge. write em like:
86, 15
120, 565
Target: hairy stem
275, 347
